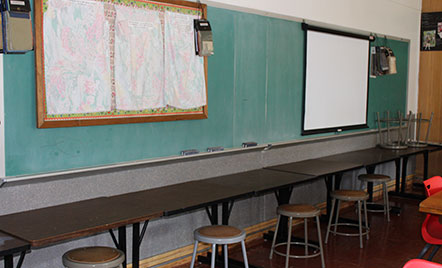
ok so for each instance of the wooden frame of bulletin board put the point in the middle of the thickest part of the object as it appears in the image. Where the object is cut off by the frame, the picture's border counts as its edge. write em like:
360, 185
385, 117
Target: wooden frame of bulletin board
168, 113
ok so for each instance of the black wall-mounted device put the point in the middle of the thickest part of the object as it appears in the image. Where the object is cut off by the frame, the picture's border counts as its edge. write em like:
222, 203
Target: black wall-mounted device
203, 38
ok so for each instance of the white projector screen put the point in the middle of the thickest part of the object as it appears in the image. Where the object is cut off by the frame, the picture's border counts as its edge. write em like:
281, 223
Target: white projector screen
336, 81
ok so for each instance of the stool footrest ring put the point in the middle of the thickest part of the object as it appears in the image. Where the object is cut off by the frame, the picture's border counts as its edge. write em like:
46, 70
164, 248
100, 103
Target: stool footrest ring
367, 230
316, 247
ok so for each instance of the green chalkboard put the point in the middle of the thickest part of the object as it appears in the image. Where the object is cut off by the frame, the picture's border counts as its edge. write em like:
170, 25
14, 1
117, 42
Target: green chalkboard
389, 92
255, 82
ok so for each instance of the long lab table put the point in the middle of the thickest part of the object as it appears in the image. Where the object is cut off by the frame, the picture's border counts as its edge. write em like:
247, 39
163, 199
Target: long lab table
369, 158
335, 165
46, 226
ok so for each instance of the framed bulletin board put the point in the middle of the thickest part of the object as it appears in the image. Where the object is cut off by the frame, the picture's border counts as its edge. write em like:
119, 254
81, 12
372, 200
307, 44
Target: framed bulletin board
101, 62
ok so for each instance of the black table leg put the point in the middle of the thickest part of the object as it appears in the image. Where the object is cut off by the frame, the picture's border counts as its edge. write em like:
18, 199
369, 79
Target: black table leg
9, 261
21, 259
226, 211
137, 238
426, 165
370, 170
404, 174
328, 183
213, 214
397, 164
403, 182
135, 245
122, 242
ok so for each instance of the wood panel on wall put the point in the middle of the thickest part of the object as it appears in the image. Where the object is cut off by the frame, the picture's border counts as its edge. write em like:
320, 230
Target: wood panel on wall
430, 95
431, 5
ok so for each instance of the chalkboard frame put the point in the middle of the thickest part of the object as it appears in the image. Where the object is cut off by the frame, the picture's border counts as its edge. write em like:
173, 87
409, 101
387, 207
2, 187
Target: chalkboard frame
44, 122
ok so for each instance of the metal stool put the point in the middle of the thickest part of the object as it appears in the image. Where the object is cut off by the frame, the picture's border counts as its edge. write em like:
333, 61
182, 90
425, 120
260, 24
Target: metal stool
219, 235
93, 257
378, 178
298, 211
348, 195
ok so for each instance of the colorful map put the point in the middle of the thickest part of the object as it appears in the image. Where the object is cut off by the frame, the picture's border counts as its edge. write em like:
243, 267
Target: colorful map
120, 58
77, 69
139, 68
184, 71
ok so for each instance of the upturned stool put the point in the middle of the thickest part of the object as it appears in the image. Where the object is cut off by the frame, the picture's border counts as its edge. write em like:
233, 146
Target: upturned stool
348, 195
379, 179
304, 212
219, 235
93, 257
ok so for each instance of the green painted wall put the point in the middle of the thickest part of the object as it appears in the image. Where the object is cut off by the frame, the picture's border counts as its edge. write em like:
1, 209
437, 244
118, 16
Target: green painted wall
255, 94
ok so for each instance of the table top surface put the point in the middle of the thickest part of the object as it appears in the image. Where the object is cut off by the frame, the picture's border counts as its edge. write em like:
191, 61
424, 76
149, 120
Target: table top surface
10, 245
350, 160
178, 198
365, 157
316, 167
432, 204
49, 225
182, 197
259, 181
52, 224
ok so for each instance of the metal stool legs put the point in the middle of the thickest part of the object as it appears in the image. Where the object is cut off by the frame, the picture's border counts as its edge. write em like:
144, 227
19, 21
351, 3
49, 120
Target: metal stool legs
244, 254
386, 201
335, 225
289, 238
226, 258
212, 263
378, 179
318, 226
330, 220
195, 248
386, 206
289, 242
274, 237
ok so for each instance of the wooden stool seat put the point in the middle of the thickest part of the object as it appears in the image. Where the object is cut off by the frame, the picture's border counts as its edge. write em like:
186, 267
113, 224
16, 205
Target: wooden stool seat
298, 210
219, 235
220, 231
374, 178
93, 257
349, 195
